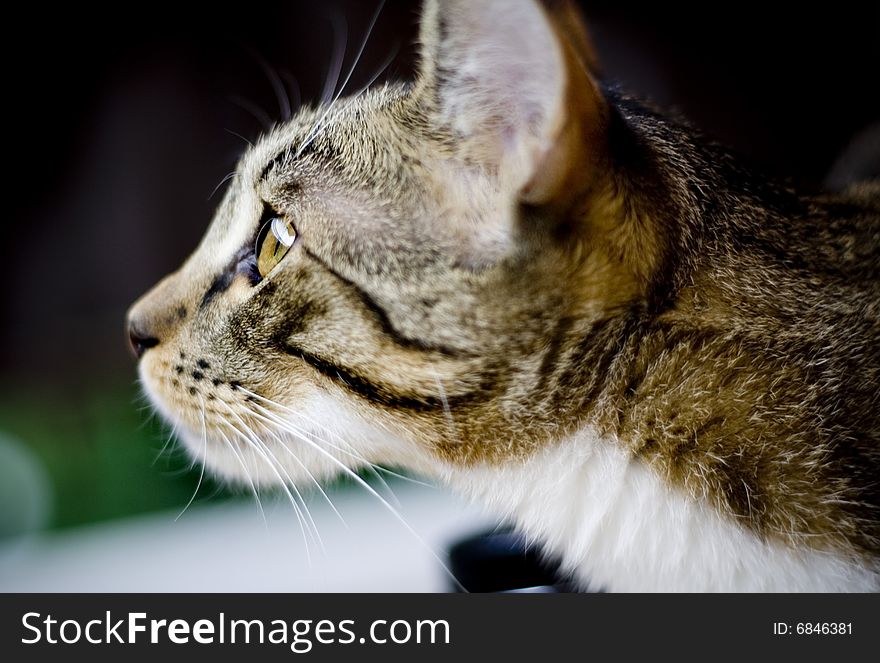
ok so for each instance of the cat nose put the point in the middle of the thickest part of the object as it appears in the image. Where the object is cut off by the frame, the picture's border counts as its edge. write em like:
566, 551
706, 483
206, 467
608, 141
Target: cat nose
156, 316
140, 339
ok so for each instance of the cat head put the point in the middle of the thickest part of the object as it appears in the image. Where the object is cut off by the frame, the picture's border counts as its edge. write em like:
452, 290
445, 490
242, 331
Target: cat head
394, 277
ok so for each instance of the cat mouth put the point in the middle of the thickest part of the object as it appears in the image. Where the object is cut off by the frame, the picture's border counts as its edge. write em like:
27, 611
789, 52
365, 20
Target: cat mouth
218, 431
233, 431
191, 395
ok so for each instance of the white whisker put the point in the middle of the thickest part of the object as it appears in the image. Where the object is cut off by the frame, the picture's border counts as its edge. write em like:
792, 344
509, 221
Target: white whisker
347, 449
238, 135
170, 438
292, 484
324, 120
225, 179
299, 516
357, 58
310, 475
258, 447
272, 418
258, 113
204, 462
247, 474
313, 526
334, 68
316, 129
276, 83
402, 477
295, 93
447, 413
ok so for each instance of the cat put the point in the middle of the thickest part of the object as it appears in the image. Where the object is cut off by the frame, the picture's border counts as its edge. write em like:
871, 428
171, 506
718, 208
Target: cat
514, 279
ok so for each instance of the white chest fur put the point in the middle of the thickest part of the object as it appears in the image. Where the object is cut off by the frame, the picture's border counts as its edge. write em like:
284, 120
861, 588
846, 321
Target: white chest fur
619, 527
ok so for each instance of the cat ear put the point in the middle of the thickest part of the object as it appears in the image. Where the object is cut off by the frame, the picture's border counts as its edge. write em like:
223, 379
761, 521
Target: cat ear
511, 81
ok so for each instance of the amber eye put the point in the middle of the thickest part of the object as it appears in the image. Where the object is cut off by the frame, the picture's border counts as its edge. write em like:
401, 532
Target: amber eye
274, 241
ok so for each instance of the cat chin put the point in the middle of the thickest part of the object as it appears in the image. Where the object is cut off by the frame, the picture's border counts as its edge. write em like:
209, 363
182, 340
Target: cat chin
220, 462
274, 464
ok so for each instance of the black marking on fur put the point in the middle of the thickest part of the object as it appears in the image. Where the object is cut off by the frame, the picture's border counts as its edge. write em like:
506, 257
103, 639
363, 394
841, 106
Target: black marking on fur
178, 369
201, 363
197, 375
274, 161
381, 394
381, 318
591, 362
300, 315
181, 312
243, 262
193, 391
602, 369
216, 382
220, 284
551, 355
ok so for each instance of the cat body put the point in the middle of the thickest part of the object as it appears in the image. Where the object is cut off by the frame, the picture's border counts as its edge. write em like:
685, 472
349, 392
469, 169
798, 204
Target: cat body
513, 279
617, 526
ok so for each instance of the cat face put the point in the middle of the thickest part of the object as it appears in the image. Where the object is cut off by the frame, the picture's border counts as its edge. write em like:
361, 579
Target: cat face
394, 278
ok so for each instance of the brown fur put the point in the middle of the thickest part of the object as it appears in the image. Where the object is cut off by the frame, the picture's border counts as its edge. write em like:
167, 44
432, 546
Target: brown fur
619, 272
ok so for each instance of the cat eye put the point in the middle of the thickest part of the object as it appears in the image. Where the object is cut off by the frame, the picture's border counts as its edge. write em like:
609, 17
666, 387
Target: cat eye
273, 242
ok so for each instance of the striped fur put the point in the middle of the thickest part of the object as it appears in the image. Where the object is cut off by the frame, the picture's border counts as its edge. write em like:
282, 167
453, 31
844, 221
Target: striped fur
506, 259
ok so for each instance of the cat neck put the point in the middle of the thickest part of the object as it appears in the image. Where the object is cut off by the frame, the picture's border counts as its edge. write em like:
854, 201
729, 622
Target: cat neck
617, 526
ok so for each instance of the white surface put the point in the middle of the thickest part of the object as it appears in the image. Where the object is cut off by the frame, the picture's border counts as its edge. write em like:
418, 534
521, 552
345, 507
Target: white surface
227, 547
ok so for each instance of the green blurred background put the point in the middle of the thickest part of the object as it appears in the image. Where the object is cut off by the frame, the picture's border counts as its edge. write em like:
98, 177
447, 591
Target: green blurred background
102, 453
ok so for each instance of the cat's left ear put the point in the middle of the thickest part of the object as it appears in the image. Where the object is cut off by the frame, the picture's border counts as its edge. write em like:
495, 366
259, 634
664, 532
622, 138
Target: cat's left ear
513, 81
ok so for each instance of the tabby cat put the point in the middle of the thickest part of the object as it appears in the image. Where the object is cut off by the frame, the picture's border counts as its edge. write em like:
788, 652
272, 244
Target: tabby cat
510, 278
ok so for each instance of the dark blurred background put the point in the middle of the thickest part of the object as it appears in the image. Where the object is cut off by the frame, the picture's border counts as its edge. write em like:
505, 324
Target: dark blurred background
120, 123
